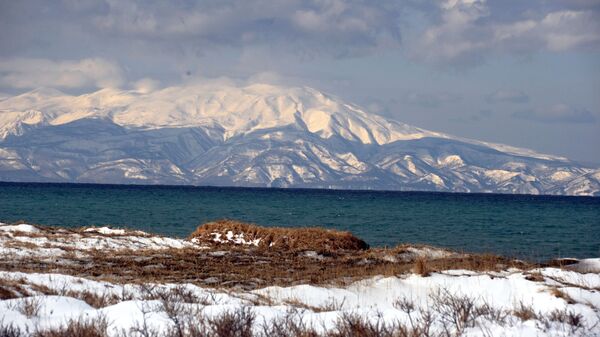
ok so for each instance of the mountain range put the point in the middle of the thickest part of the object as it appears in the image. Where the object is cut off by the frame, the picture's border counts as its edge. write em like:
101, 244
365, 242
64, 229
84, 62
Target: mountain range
257, 135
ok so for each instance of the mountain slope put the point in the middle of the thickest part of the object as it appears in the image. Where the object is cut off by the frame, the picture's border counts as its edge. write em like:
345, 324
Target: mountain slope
259, 135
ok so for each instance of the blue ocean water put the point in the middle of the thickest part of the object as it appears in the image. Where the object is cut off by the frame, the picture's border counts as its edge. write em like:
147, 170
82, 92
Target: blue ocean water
533, 227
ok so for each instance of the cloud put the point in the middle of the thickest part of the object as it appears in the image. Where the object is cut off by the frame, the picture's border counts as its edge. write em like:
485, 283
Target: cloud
465, 32
178, 35
334, 27
510, 96
558, 113
454, 31
146, 85
23, 73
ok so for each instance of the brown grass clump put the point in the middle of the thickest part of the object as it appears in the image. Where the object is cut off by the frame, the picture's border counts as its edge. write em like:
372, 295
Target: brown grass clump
81, 327
421, 267
12, 288
524, 312
30, 306
556, 292
96, 300
6, 294
316, 239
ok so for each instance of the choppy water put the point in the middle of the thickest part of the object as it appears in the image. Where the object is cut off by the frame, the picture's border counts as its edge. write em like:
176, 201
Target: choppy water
534, 227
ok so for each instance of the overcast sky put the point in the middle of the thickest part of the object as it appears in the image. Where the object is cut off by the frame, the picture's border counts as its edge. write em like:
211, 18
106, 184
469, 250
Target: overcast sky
524, 73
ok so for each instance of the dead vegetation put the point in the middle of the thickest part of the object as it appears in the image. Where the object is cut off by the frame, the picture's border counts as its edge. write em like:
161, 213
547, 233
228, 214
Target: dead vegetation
30, 306
241, 267
524, 312
64, 232
279, 238
421, 267
558, 293
284, 257
12, 288
330, 305
80, 327
449, 316
95, 300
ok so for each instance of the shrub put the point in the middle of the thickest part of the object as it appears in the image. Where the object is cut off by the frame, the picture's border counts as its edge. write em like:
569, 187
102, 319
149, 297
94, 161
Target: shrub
316, 239
421, 267
524, 312
30, 306
81, 327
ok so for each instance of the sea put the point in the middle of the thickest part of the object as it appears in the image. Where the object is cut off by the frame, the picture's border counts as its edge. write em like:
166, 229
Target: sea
536, 228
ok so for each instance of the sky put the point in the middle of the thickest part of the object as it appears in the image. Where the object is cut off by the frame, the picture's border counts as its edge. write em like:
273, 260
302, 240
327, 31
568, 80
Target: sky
523, 73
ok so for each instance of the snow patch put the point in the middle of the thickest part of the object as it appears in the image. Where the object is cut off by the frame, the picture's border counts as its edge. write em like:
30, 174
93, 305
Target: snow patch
25, 228
374, 297
230, 237
451, 160
500, 175
43, 244
586, 266
561, 175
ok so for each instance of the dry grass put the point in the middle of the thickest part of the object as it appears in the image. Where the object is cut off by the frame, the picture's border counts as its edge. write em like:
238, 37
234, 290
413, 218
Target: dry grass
64, 232
296, 239
10, 330
297, 256
81, 327
421, 267
557, 292
560, 263
535, 277
241, 267
330, 305
95, 300
30, 306
354, 325
12, 288
524, 312
450, 316
289, 325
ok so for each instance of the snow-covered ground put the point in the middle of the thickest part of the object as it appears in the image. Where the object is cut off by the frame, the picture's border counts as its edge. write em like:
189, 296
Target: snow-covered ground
500, 302
512, 302
25, 240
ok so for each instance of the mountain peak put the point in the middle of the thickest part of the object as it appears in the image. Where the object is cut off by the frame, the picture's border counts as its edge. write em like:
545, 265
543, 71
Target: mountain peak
256, 135
236, 109
44, 92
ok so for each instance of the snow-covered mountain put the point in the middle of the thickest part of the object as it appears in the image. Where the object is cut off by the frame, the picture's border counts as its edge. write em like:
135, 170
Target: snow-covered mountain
257, 135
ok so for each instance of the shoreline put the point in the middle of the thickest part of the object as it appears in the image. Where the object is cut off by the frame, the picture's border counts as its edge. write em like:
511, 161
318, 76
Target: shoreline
338, 255
300, 189
318, 282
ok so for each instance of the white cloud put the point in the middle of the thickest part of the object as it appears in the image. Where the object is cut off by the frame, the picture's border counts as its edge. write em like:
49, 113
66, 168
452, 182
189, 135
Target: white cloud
450, 39
146, 85
323, 26
569, 29
140, 33
23, 73
467, 30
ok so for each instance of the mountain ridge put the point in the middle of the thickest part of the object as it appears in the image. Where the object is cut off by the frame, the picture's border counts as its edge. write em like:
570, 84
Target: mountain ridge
258, 135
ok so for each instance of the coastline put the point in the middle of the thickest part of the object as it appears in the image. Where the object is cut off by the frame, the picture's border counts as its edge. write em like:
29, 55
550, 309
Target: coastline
99, 273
